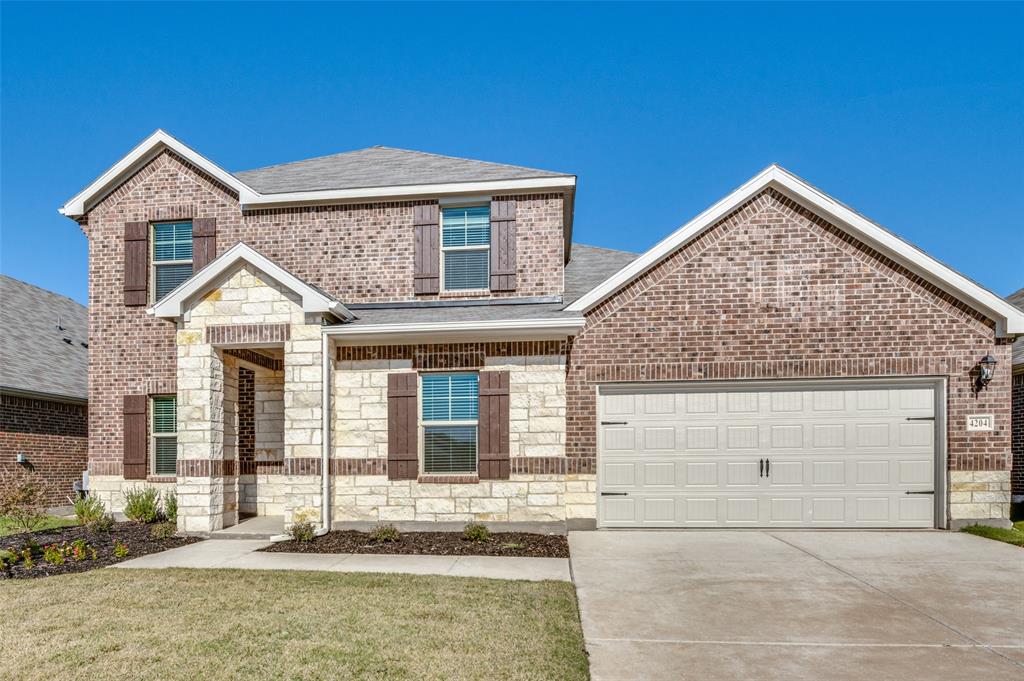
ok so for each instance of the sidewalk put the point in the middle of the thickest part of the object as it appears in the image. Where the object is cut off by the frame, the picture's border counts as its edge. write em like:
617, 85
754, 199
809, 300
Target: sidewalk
243, 554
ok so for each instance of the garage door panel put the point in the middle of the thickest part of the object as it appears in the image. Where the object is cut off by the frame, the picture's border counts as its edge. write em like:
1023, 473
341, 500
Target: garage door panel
839, 457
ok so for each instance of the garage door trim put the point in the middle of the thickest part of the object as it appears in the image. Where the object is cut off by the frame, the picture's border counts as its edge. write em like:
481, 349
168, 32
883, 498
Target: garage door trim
937, 383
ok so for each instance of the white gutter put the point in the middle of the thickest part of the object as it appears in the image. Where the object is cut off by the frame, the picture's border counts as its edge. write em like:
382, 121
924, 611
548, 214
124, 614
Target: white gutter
504, 329
325, 434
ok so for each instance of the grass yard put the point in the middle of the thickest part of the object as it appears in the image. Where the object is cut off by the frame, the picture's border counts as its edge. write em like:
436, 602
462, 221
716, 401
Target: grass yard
240, 624
7, 526
1012, 535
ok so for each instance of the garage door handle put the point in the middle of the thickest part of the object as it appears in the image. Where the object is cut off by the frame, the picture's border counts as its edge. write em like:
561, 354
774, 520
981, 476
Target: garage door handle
920, 418
614, 423
931, 491
613, 494
760, 468
767, 468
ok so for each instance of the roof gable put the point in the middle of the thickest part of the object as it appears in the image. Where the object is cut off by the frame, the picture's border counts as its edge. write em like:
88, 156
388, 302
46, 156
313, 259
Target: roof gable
175, 304
1009, 320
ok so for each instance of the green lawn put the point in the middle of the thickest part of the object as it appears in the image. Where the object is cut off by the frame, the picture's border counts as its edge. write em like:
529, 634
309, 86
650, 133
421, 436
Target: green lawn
7, 526
1014, 535
240, 624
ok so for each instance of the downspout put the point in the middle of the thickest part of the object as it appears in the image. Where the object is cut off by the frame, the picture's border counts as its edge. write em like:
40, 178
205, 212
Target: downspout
325, 436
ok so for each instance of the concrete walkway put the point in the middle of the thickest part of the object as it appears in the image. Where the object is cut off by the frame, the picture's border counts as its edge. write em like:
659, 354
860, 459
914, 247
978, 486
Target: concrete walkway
800, 605
243, 554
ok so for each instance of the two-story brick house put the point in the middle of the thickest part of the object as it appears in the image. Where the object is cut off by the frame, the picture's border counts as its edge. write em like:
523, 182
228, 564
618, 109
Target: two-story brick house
393, 336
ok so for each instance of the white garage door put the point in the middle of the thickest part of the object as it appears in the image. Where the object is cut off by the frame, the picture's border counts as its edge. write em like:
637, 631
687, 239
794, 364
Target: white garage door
774, 456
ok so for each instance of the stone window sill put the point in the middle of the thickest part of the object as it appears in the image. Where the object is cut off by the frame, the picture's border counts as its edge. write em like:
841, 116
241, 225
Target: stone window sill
161, 478
449, 479
466, 293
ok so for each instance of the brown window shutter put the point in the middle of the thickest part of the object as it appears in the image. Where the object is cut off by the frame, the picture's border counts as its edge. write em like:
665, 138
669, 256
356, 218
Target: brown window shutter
204, 242
493, 425
428, 249
136, 263
136, 437
403, 427
503, 244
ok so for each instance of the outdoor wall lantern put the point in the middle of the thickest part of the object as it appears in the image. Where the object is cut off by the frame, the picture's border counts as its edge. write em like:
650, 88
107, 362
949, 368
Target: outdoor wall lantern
987, 367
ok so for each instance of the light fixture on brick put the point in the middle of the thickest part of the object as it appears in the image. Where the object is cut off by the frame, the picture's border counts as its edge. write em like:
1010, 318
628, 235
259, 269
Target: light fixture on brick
986, 368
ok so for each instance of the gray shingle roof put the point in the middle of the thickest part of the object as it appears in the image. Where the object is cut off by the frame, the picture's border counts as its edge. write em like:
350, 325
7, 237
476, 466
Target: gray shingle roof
590, 265
33, 354
1018, 346
379, 167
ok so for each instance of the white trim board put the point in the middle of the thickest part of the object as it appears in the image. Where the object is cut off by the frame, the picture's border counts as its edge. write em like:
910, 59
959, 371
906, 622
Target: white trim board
172, 306
1009, 320
439, 332
248, 197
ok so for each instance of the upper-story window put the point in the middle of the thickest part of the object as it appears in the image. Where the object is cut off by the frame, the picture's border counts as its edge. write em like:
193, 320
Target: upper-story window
172, 256
465, 248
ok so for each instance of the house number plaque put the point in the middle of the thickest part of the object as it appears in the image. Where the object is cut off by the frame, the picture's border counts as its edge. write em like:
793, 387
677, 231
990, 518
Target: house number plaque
981, 423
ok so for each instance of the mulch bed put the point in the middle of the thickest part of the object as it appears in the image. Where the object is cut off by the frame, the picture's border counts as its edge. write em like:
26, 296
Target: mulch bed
432, 543
133, 535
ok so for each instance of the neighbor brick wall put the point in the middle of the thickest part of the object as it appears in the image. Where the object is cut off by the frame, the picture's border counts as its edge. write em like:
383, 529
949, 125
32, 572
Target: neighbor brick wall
1017, 476
52, 435
359, 253
773, 291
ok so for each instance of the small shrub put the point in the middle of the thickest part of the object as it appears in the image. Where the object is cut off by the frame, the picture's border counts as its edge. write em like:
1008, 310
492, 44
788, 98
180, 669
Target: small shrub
22, 499
163, 530
171, 507
26, 559
476, 532
53, 554
104, 523
142, 504
120, 550
7, 558
302, 526
89, 510
385, 533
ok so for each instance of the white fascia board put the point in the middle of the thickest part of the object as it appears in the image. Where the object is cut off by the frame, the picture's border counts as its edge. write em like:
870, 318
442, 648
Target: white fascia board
1009, 320
449, 188
173, 304
142, 154
467, 331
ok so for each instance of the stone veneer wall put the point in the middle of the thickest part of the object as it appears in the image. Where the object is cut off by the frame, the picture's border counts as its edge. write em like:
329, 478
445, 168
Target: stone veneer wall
775, 292
536, 432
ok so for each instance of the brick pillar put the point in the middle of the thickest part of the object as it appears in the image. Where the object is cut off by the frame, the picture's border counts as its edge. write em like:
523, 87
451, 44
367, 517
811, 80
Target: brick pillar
200, 485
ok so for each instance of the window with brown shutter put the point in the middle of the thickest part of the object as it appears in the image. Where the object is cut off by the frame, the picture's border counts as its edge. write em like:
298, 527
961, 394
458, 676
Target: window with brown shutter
136, 263
403, 427
503, 244
427, 274
494, 425
204, 242
135, 436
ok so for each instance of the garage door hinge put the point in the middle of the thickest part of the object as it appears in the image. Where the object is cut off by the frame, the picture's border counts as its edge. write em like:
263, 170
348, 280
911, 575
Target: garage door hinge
613, 423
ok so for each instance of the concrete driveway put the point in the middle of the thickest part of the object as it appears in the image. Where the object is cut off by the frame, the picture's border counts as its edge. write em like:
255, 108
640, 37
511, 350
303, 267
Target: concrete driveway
800, 605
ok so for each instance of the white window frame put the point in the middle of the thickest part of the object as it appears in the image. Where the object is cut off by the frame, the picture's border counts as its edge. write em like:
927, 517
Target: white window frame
154, 263
445, 249
154, 436
423, 425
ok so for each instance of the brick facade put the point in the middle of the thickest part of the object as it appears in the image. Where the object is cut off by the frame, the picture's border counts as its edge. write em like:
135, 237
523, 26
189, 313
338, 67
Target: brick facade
357, 252
1017, 475
52, 435
775, 292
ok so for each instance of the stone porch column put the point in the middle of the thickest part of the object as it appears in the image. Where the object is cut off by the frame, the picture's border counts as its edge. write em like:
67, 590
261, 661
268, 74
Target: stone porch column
200, 485
302, 434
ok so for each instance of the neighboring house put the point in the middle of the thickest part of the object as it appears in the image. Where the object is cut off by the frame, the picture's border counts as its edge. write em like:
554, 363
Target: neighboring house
423, 330
1018, 408
44, 362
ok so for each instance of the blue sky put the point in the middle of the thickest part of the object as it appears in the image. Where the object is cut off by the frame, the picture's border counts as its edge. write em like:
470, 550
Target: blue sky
912, 114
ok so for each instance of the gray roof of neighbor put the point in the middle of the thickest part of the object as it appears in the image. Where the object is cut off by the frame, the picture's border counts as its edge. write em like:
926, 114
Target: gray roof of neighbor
589, 266
34, 356
1018, 346
380, 167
